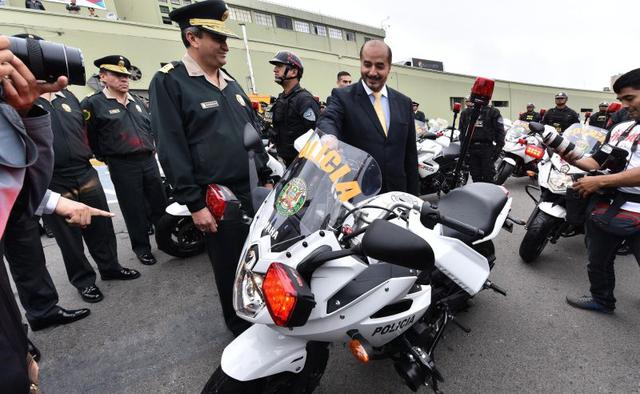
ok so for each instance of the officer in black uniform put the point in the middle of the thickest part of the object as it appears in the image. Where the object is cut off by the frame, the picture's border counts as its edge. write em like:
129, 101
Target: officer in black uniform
417, 114
76, 179
199, 114
600, 118
531, 115
119, 132
486, 143
561, 117
295, 110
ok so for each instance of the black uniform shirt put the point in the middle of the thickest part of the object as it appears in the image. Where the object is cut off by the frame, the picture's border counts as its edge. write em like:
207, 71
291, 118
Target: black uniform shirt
561, 119
114, 129
293, 115
599, 119
200, 130
489, 127
70, 145
530, 116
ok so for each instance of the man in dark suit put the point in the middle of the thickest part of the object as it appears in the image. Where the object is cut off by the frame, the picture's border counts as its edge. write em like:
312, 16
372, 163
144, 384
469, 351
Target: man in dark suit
377, 119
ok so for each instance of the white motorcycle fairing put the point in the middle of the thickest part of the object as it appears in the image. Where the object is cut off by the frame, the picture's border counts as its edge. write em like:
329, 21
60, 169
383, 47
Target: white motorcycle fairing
261, 351
510, 161
177, 209
553, 210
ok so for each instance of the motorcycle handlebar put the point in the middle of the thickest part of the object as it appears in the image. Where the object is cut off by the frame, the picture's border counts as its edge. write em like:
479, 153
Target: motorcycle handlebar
462, 227
430, 215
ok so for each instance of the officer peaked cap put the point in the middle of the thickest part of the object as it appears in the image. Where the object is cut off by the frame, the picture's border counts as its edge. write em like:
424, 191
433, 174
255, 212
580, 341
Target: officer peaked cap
114, 63
208, 15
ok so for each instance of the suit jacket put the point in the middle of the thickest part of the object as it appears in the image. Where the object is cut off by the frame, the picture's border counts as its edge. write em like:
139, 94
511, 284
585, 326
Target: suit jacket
350, 116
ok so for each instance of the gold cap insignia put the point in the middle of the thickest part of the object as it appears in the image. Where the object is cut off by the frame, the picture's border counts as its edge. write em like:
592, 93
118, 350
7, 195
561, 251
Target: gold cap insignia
225, 16
121, 63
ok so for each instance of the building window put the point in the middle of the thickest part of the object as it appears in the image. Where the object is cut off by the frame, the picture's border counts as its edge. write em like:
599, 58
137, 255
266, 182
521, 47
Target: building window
302, 27
453, 100
500, 104
335, 33
162, 1
186, 2
319, 30
239, 15
263, 19
166, 20
350, 35
164, 9
177, 2
284, 22
586, 109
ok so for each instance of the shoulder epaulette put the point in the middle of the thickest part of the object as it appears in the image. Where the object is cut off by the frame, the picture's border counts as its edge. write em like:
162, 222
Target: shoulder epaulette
166, 68
90, 94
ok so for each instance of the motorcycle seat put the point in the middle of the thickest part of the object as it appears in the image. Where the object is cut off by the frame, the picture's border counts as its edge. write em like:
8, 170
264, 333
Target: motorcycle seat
476, 204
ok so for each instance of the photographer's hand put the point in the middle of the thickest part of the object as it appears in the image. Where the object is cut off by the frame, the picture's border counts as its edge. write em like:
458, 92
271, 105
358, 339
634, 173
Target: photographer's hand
588, 185
20, 87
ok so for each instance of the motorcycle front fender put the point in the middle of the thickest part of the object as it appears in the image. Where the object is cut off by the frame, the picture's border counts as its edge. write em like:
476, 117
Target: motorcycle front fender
177, 209
509, 160
554, 210
261, 351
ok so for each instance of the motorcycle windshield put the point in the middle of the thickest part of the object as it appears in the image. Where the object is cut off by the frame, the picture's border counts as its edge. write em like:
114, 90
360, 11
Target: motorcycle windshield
519, 129
587, 139
317, 190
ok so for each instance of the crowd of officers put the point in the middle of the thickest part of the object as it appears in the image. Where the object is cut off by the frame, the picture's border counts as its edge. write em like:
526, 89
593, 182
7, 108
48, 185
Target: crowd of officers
194, 120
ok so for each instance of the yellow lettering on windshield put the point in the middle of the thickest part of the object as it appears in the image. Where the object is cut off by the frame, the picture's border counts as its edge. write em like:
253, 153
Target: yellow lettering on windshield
328, 161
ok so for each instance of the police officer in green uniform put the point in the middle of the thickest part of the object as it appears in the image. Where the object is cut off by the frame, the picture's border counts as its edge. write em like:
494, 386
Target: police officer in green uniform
296, 110
199, 114
531, 115
119, 132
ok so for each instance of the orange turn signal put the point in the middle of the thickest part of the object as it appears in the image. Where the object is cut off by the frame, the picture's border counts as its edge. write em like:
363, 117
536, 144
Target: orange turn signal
359, 351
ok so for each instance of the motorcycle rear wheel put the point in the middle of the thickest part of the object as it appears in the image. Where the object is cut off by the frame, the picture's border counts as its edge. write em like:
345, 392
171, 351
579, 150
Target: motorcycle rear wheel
178, 236
537, 236
303, 382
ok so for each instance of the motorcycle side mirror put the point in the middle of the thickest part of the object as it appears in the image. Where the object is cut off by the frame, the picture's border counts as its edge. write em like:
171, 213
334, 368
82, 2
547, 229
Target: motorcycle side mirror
252, 140
536, 127
395, 245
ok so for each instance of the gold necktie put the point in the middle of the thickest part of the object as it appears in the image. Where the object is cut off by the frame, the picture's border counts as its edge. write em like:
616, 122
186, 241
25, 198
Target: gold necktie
377, 105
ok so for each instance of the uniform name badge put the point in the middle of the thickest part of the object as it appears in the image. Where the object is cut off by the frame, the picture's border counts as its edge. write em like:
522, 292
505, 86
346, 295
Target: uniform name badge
240, 100
209, 104
66, 107
114, 111
138, 108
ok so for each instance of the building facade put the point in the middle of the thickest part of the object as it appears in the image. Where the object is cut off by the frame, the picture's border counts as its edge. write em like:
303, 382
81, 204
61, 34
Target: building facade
141, 30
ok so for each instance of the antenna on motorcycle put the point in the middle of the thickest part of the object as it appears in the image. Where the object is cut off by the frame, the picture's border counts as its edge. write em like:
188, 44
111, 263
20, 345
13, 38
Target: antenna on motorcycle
456, 108
481, 93
456, 111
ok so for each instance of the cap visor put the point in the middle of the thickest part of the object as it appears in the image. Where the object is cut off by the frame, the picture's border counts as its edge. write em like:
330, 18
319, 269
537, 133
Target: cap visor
220, 31
116, 69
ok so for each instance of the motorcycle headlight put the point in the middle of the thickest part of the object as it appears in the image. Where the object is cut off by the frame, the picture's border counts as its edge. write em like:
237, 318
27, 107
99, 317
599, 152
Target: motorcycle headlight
559, 182
247, 290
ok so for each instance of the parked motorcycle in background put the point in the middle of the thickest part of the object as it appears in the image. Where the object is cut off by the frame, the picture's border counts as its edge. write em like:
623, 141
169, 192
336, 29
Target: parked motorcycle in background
522, 152
329, 260
558, 213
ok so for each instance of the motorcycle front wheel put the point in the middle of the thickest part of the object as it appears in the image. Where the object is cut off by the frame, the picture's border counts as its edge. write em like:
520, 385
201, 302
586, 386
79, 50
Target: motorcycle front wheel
537, 235
178, 236
303, 382
504, 171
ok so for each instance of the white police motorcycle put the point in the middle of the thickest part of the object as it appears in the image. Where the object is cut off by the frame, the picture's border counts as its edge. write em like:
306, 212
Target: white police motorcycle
521, 153
329, 260
557, 213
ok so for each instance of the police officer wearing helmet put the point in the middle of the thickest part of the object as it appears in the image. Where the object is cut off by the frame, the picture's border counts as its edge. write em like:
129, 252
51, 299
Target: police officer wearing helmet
486, 143
561, 116
600, 118
199, 114
296, 110
531, 115
119, 132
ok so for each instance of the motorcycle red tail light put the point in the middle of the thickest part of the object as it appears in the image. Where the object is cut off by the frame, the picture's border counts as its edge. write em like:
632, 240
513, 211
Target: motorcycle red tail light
288, 297
534, 151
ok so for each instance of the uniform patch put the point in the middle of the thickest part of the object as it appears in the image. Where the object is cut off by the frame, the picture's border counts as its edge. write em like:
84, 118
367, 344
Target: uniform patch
309, 115
292, 197
166, 68
86, 114
209, 104
138, 108
66, 107
240, 100
114, 111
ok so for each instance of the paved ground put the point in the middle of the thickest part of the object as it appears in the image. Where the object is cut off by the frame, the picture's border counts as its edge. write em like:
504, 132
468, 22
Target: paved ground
163, 333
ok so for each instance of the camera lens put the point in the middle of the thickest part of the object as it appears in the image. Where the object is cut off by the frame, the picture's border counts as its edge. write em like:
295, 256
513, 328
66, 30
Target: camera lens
50, 60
